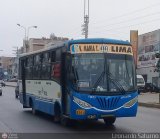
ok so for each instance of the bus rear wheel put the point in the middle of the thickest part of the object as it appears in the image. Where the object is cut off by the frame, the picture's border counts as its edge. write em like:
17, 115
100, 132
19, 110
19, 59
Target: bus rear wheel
109, 120
32, 106
34, 112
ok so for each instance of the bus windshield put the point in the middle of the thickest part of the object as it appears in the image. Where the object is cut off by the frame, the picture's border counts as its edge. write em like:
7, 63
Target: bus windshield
102, 73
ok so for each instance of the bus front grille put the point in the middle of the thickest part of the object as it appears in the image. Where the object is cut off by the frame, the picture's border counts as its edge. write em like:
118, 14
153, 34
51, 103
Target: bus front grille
108, 103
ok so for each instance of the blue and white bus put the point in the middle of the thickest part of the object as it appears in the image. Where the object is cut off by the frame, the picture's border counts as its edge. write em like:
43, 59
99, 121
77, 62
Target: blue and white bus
80, 79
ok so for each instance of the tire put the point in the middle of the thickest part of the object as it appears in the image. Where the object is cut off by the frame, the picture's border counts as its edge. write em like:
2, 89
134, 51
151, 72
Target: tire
34, 112
67, 122
64, 121
109, 120
0, 94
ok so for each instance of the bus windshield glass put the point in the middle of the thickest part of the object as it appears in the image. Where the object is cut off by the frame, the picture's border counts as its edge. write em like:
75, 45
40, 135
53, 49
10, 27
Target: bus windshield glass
103, 73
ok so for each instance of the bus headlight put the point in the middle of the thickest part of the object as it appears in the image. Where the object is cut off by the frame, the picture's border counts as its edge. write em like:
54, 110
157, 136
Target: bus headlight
81, 103
131, 102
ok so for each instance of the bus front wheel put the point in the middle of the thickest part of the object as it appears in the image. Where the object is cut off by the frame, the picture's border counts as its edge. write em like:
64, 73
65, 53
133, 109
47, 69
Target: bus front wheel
65, 121
109, 120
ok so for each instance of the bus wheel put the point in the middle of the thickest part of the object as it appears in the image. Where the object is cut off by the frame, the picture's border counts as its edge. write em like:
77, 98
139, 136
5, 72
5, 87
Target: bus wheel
34, 112
66, 121
109, 120
32, 106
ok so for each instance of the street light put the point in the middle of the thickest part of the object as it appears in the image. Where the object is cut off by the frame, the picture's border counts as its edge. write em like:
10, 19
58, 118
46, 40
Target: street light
29, 29
26, 37
26, 30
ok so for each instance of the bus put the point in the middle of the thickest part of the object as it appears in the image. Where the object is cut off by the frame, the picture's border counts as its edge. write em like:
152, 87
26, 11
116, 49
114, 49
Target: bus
85, 79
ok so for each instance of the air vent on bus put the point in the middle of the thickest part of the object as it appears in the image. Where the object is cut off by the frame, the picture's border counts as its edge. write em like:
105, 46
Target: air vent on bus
108, 103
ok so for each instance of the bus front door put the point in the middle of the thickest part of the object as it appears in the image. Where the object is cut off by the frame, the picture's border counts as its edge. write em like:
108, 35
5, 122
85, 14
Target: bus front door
65, 87
23, 83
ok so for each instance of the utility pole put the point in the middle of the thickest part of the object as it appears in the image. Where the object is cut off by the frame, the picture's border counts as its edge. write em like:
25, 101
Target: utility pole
16, 50
86, 19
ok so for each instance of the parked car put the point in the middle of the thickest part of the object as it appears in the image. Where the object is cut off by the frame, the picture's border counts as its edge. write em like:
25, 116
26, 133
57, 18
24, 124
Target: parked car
0, 90
140, 83
17, 91
150, 87
2, 83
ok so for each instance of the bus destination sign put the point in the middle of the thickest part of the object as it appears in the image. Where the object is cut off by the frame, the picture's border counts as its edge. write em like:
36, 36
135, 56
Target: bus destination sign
101, 48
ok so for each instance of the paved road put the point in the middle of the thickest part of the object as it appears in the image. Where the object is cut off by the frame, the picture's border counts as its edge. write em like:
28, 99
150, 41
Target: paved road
15, 119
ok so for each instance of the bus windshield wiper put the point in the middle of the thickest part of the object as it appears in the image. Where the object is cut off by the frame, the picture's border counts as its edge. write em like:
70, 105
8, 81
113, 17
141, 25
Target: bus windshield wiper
116, 82
98, 81
75, 75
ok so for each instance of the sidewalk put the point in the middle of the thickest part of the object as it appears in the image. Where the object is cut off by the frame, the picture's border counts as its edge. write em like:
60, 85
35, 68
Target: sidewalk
149, 100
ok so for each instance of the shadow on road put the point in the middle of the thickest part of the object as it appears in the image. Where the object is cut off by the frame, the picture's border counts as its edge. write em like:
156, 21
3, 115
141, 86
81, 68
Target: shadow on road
79, 126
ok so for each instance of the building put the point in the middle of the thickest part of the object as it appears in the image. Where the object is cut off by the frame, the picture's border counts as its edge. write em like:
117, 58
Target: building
5, 67
148, 45
34, 44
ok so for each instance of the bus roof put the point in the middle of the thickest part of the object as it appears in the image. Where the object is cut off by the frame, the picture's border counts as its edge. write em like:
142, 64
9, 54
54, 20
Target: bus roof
99, 40
79, 41
58, 45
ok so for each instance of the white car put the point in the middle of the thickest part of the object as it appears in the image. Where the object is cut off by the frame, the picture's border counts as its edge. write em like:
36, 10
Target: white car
140, 83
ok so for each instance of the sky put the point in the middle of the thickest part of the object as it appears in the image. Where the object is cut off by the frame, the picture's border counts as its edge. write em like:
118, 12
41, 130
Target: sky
107, 19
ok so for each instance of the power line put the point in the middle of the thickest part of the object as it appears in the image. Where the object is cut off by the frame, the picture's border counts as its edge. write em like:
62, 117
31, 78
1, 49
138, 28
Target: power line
127, 20
129, 13
131, 25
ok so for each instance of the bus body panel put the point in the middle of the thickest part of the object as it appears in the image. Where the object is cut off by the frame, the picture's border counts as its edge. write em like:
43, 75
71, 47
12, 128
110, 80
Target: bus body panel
43, 95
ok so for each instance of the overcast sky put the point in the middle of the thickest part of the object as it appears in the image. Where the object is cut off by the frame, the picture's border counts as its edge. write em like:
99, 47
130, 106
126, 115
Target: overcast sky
108, 19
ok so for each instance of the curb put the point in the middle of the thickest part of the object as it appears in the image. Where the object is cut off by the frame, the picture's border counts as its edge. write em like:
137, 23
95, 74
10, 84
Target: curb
150, 105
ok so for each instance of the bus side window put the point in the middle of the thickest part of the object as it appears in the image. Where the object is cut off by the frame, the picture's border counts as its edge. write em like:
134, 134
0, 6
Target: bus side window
29, 67
26, 68
58, 55
45, 74
37, 66
53, 56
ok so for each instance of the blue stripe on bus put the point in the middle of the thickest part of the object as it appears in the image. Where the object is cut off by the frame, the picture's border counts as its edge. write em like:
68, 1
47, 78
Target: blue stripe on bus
42, 104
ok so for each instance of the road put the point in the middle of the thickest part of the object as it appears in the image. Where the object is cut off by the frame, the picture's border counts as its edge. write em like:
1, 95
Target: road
15, 119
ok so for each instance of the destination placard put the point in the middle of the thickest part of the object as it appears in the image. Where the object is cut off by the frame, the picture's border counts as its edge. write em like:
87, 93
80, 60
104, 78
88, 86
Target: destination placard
101, 48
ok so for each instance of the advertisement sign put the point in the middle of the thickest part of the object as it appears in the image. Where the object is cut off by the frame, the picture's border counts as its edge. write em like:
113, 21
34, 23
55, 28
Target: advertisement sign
148, 45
